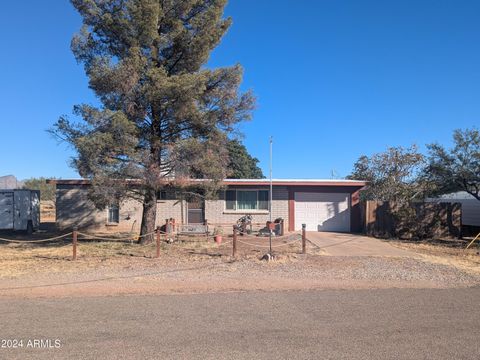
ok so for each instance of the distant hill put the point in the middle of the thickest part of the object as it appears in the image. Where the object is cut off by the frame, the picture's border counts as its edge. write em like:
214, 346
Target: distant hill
10, 182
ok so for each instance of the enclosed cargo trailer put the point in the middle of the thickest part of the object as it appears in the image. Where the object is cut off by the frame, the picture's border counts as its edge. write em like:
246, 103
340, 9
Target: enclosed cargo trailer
20, 210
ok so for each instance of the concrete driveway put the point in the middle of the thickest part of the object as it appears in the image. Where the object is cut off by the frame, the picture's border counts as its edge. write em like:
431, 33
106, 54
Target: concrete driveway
341, 244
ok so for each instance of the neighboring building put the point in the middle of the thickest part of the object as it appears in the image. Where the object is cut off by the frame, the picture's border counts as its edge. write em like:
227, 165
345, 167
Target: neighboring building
323, 205
470, 206
10, 182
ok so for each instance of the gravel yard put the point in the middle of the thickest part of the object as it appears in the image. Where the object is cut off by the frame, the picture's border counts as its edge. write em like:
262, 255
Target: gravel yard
109, 268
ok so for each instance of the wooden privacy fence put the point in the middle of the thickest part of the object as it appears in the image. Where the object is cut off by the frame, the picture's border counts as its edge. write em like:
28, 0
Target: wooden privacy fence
387, 219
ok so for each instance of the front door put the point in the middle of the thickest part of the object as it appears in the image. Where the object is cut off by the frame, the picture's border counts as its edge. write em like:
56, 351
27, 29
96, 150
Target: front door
195, 211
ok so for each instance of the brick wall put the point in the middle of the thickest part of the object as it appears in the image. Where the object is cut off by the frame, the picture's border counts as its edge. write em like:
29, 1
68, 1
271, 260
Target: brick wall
218, 216
73, 208
167, 209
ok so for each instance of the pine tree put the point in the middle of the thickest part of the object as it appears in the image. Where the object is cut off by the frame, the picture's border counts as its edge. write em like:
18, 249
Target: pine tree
241, 164
163, 116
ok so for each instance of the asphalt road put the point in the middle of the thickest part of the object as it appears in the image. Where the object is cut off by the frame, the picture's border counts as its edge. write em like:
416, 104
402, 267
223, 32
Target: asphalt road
343, 324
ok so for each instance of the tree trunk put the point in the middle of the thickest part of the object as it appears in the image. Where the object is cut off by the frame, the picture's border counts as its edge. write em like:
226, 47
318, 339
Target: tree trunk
148, 216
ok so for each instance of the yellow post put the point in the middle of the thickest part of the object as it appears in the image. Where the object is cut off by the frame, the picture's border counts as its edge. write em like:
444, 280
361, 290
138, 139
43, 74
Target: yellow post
471, 242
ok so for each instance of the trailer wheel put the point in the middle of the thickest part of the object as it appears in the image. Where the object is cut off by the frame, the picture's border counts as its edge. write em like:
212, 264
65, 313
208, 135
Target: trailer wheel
29, 227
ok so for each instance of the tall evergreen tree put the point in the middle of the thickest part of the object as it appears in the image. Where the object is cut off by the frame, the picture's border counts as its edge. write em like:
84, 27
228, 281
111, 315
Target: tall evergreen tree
164, 116
241, 164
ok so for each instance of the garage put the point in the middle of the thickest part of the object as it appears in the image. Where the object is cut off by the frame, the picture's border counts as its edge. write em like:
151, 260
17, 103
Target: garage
322, 211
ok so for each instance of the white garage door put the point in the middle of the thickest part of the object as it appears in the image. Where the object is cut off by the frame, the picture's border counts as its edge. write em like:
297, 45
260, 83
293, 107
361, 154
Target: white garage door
322, 211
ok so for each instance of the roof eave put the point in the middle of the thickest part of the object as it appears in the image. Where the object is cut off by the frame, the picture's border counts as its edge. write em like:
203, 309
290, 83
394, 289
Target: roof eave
244, 182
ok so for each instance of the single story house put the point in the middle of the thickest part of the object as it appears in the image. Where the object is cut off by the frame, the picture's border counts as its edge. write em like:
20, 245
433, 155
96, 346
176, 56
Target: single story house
323, 205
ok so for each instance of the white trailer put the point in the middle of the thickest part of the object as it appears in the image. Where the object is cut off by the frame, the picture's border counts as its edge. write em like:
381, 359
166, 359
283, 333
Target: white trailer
20, 210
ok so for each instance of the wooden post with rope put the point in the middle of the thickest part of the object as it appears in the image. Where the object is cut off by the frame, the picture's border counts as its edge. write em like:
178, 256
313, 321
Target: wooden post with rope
304, 239
234, 242
74, 243
158, 241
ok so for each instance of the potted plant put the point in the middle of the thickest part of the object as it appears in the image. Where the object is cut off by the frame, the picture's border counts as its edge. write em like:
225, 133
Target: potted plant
217, 234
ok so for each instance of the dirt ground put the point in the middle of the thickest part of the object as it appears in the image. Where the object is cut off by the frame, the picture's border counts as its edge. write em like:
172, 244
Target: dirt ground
106, 268
109, 251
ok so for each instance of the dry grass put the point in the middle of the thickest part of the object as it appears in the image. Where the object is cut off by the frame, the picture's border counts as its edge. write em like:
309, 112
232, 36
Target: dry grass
446, 252
22, 259
29, 259
17, 259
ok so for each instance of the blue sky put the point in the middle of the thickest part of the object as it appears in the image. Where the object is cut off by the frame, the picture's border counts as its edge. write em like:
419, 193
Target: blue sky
334, 79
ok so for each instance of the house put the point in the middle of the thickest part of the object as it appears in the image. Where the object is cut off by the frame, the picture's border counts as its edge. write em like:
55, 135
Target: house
323, 205
470, 206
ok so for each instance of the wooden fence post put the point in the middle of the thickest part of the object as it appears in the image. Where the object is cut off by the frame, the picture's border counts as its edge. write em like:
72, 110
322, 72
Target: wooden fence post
158, 241
234, 242
74, 243
304, 239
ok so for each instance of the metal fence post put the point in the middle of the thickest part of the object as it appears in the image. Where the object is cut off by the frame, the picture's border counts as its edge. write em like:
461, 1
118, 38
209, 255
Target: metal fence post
234, 242
158, 241
304, 239
74, 243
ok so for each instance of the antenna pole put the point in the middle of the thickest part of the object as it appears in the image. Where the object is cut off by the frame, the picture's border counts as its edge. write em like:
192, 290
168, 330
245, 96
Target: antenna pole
271, 191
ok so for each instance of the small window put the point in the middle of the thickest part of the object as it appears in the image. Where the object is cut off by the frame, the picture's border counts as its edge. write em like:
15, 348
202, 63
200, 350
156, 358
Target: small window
113, 214
166, 195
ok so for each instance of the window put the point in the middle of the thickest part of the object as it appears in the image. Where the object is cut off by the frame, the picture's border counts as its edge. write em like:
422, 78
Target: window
113, 214
166, 195
162, 195
246, 200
